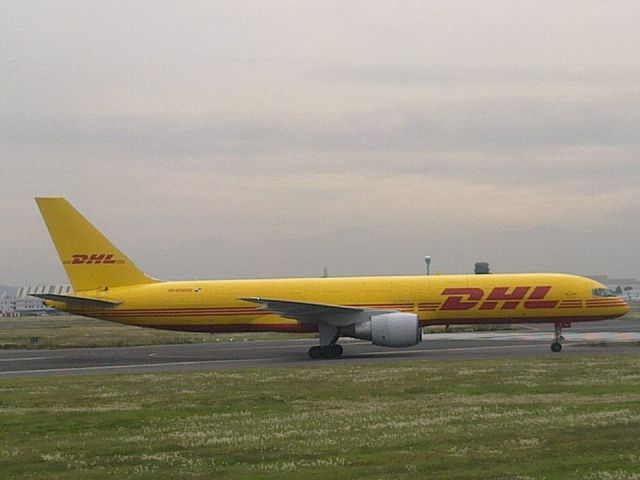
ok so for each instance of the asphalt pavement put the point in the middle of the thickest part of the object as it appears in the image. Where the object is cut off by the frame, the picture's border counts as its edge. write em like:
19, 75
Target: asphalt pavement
609, 337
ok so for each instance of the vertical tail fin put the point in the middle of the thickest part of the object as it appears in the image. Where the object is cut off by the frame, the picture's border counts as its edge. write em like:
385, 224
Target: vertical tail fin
91, 261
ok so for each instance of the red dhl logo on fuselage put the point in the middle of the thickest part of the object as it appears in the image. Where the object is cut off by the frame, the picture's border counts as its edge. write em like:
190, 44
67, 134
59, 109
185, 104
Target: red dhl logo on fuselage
508, 298
92, 259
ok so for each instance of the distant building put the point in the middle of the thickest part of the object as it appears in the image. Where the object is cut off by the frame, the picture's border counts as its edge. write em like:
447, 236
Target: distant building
24, 292
10, 305
22, 304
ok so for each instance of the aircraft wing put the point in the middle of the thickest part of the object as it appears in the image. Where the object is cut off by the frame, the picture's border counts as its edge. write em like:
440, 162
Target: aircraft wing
336, 315
77, 301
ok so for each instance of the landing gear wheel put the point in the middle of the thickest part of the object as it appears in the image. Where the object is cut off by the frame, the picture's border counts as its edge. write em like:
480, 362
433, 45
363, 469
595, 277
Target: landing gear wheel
315, 352
325, 351
556, 346
336, 351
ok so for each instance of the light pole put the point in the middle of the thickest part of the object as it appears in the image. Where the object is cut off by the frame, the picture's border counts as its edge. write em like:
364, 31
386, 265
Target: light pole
427, 260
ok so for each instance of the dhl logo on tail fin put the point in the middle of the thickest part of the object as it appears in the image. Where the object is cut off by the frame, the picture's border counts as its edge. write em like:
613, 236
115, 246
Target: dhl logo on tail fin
103, 258
90, 260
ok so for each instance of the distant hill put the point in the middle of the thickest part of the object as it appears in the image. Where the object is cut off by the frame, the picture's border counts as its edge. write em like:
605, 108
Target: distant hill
8, 290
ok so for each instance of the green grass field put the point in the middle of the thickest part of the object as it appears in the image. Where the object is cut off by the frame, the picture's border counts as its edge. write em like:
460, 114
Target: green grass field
561, 417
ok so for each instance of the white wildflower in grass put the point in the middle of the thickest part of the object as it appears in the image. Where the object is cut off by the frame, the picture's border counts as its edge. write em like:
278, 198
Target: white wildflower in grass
56, 457
614, 475
295, 465
124, 458
523, 443
631, 457
144, 469
135, 439
10, 452
457, 451
170, 458
106, 395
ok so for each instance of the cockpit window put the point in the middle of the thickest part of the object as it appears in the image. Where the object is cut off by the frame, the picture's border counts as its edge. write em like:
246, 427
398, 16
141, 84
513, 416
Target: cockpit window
603, 292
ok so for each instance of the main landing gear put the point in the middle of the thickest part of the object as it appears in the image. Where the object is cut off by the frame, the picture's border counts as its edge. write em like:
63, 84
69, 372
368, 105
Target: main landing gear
556, 346
325, 351
328, 347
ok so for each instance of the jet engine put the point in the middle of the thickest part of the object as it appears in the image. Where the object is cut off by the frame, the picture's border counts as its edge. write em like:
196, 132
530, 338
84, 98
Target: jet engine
387, 330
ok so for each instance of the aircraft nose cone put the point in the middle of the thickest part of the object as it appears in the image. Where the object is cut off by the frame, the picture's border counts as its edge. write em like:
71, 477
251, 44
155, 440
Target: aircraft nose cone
625, 307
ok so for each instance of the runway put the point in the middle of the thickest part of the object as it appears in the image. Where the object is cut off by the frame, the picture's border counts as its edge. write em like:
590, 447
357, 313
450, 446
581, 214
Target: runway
610, 337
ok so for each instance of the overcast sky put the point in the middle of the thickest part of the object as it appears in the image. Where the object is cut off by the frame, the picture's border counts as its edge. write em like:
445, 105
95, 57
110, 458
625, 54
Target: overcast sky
255, 139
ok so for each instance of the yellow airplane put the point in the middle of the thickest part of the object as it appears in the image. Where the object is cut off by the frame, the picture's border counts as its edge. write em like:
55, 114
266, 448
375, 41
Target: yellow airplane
388, 311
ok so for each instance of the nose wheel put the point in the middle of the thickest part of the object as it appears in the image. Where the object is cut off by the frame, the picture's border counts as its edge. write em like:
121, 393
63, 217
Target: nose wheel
556, 346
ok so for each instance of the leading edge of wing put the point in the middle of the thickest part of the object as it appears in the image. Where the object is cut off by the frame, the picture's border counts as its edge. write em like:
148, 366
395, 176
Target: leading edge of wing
315, 312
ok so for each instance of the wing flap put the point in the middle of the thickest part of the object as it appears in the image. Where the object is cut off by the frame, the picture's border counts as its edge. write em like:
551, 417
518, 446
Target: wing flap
337, 315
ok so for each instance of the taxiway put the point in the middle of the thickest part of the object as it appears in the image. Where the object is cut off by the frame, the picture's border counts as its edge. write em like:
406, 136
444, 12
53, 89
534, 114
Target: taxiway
611, 337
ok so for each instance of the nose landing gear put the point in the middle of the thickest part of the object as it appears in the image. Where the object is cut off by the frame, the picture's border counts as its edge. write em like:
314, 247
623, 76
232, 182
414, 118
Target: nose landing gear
556, 346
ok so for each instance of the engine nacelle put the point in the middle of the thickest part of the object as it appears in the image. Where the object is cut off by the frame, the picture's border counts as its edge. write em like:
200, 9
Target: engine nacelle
387, 330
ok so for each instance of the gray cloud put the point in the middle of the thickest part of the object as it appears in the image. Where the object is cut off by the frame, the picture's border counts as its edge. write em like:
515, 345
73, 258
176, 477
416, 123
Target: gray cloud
360, 135
447, 76
496, 124
497, 141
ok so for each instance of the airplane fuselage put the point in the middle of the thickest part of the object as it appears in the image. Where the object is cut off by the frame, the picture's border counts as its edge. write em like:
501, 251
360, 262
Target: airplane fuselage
216, 306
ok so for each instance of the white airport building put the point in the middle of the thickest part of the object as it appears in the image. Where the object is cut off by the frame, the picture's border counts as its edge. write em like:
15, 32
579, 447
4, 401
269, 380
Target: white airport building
24, 292
23, 304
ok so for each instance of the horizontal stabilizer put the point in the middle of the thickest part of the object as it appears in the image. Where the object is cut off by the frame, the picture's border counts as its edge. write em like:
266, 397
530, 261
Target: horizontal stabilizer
79, 301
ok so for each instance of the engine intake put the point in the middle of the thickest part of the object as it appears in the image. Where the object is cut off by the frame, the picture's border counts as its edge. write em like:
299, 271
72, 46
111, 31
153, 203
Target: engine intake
387, 330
